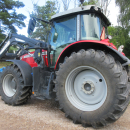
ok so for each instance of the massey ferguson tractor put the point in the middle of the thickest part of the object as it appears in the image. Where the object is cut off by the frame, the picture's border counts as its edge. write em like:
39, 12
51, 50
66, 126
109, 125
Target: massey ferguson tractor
77, 66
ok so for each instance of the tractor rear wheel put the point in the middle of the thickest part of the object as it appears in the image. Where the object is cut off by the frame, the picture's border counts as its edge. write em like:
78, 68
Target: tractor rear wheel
92, 88
12, 89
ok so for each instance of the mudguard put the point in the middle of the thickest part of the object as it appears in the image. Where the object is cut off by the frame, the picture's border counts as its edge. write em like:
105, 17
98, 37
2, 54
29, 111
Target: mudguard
26, 71
121, 56
92, 44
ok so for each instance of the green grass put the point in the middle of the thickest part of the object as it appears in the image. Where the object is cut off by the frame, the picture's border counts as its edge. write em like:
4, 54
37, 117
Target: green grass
4, 64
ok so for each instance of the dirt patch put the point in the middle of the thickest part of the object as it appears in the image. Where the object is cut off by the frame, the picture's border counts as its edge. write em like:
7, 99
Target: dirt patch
37, 115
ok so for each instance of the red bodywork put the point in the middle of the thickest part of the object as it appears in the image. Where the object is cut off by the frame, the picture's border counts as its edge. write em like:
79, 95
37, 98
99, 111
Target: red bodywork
29, 58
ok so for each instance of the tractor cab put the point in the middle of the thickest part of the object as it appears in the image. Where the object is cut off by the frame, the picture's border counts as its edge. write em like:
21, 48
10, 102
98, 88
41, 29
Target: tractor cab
74, 25
84, 23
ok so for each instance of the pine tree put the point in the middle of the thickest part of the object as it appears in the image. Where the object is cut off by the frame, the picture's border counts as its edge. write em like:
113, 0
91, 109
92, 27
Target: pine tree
9, 18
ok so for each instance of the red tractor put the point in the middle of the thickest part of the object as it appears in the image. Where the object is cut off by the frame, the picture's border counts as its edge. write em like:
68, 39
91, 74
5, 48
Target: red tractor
78, 67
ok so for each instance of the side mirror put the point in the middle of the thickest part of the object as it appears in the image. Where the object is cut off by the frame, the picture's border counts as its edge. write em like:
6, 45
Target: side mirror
31, 26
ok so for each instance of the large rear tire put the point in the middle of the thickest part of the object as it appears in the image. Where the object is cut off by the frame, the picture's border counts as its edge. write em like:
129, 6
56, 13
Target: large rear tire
12, 89
92, 88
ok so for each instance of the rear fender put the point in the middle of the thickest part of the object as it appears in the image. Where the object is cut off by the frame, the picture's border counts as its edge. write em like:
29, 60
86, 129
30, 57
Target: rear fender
97, 45
26, 71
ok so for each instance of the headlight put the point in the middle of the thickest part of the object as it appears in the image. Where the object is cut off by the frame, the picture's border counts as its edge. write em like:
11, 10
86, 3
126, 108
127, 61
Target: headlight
120, 49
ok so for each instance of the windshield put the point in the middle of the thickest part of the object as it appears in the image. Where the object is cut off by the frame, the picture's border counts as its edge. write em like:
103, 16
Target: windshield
91, 27
63, 32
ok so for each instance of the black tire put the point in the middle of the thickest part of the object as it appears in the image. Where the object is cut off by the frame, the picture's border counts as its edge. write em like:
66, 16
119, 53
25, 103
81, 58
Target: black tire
22, 93
117, 98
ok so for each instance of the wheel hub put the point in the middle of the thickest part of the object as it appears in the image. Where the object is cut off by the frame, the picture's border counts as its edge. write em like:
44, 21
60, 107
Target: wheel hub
9, 85
88, 87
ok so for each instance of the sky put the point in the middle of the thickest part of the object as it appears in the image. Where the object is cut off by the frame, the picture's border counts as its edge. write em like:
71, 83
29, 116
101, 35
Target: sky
114, 12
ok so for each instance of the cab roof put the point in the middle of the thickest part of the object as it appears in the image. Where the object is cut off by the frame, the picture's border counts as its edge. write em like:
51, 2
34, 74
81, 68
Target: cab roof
83, 9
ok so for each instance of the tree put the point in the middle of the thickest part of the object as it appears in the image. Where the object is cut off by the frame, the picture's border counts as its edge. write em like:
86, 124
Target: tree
57, 5
2, 36
120, 36
90, 2
127, 47
101, 3
9, 18
66, 4
124, 21
43, 12
124, 17
104, 5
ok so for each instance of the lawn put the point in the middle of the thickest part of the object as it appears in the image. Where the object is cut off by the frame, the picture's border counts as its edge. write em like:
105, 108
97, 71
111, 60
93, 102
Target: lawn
4, 64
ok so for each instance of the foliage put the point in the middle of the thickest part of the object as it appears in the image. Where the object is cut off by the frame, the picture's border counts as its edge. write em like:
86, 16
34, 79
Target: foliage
104, 5
66, 4
3, 64
9, 19
90, 2
2, 36
101, 3
120, 36
43, 12
124, 17
13, 49
124, 20
127, 48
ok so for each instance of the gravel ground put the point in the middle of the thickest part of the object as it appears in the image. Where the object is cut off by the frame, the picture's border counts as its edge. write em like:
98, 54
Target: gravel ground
38, 115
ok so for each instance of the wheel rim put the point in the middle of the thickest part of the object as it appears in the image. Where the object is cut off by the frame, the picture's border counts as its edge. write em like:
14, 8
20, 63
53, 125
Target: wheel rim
86, 88
9, 85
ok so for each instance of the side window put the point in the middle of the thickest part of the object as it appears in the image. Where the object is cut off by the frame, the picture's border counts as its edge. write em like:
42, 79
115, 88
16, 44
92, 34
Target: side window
13, 49
90, 27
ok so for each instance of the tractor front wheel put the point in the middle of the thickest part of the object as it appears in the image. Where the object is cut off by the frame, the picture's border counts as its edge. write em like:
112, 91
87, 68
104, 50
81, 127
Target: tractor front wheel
92, 88
12, 89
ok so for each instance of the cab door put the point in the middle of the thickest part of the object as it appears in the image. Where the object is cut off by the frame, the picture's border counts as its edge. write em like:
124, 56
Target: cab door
62, 34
